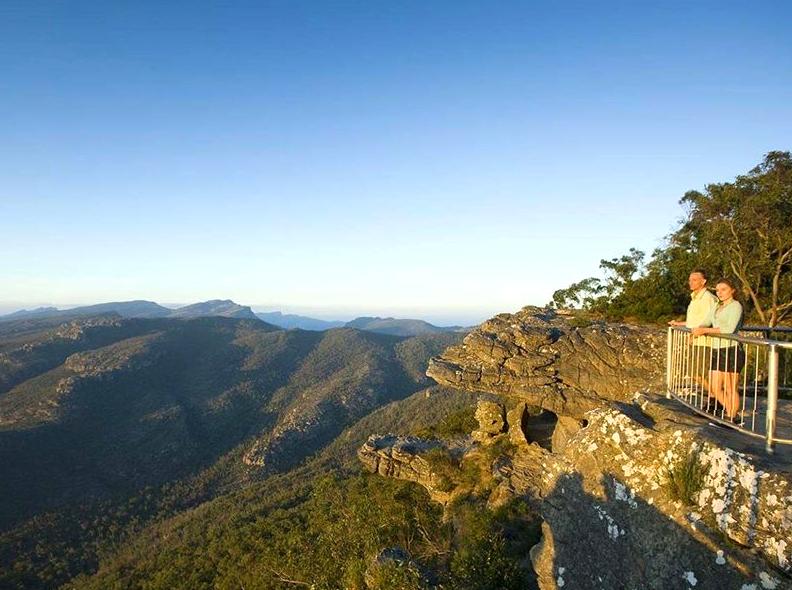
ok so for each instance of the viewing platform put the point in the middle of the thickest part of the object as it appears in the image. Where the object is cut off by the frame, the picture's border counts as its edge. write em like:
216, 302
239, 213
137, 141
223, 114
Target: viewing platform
752, 371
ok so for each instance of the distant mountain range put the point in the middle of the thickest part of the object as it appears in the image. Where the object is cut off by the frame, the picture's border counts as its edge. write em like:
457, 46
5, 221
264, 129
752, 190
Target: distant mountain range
392, 326
400, 327
289, 321
227, 308
141, 309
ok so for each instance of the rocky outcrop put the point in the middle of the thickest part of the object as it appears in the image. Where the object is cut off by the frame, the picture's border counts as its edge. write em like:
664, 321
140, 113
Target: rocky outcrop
77, 329
633, 490
131, 353
100, 365
540, 357
409, 458
491, 417
611, 517
28, 352
671, 508
215, 307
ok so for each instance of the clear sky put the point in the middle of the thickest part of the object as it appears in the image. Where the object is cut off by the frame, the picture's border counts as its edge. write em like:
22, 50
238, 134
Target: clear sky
446, 160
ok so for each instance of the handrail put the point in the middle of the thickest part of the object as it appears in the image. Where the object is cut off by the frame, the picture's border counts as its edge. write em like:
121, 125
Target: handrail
779, 329
738, 338
704, 377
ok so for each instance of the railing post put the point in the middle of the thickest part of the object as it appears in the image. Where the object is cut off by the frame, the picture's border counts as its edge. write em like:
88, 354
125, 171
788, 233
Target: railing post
669, 361
772, 395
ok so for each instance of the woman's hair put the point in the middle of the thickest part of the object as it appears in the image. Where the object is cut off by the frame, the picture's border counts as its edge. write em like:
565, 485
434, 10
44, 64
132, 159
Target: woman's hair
731, 284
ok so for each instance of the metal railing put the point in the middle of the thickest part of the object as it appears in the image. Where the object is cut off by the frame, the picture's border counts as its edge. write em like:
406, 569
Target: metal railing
781, 334
733, 379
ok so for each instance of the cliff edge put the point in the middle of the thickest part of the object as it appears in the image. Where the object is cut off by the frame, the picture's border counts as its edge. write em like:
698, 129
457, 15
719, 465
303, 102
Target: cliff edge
633, 491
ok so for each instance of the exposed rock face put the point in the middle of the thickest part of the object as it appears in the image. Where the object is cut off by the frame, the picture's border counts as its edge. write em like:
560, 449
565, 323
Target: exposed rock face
402, 457
634, 491
76, 329
606, 499
101, 364
538, 356
491, 417
95, 363
215, 307
610, 520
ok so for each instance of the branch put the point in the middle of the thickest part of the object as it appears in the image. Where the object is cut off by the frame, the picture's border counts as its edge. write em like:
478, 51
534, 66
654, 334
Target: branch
784, 306
785, 256
776, 282
285, 580
428, 540
747, 284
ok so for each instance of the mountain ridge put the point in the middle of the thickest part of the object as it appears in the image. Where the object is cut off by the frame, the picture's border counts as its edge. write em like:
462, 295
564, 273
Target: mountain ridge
139, 308
99, 404
227, 308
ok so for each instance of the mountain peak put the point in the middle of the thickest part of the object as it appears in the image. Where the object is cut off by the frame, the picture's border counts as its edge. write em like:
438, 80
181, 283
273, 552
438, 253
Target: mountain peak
215, 307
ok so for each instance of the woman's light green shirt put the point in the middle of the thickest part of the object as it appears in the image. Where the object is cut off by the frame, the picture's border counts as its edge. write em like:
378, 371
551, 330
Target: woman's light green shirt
729, 319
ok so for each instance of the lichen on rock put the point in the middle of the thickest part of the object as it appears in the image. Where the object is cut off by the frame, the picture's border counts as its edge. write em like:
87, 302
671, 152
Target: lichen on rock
592, 446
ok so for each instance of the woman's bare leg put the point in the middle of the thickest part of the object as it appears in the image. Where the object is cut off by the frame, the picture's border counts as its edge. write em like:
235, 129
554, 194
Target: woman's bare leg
731, 394
715, 379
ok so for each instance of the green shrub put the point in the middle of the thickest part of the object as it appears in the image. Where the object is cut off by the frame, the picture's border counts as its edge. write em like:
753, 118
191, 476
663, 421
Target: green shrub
454, 425
445, 467
485, 564
395, 576
685, 479
500, 446
580, 322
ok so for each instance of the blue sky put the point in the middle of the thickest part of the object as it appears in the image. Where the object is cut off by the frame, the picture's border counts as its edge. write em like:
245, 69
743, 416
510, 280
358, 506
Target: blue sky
446, 160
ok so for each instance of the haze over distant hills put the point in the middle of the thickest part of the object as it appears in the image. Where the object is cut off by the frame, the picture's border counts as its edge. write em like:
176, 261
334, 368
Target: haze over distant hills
288, 321
228, 308
399, 327
141, 309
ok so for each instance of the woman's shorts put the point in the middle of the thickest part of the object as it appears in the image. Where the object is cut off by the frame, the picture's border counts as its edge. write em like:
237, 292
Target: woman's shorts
727, 360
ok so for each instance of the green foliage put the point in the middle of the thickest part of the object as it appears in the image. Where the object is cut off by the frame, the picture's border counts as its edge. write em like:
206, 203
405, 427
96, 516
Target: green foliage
314, 528
164, 430
579, 321
326, 537
738, 229
685, 479
484, 564
581, 294
453, 425
491, 544
742, 229
445, 467
452, 472
394, 576
500, 447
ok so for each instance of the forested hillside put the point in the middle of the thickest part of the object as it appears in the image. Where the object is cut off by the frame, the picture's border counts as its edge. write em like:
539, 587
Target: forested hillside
107, 423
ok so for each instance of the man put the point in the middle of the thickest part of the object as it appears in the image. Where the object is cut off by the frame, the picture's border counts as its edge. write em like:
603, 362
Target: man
702, 301
695, 362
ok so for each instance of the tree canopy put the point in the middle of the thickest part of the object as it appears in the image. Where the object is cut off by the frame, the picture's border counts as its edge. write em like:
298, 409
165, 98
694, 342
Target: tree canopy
740, 230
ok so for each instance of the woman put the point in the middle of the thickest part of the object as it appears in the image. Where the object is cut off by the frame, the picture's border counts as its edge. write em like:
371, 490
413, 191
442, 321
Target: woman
728, 356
